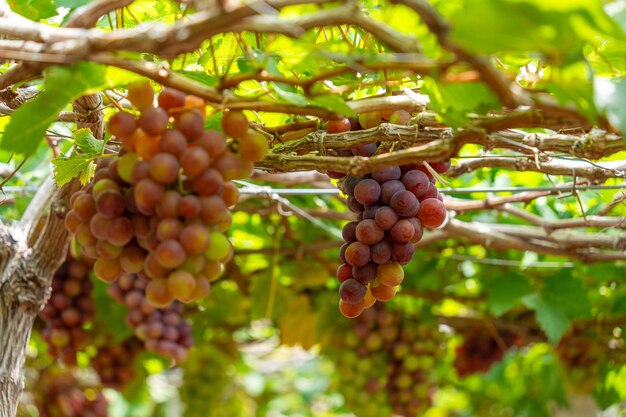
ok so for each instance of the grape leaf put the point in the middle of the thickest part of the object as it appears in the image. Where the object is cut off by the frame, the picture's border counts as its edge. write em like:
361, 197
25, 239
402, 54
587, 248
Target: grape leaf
34, 9
550, 317
80, 164
71, 4
298, 324
28, 123
568, 293
506, 291
110, 317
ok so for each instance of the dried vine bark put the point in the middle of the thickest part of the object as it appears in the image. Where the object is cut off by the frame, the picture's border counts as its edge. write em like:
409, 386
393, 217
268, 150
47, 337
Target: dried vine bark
28, 259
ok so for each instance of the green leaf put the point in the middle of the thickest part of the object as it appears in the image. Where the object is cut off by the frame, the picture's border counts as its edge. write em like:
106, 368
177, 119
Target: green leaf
568, 293
289, 94
68, 168
110, 317
61, 85
333, 102
506, 291
87, 143
34, 9
610, 96
551, 319
72, 4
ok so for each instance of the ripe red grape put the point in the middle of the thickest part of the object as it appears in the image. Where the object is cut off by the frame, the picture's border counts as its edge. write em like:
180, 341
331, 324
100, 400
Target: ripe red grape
367, 192
404, 203
352, 291
432, 213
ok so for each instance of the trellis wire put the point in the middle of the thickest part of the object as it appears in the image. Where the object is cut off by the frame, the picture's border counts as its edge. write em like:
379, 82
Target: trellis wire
260, 189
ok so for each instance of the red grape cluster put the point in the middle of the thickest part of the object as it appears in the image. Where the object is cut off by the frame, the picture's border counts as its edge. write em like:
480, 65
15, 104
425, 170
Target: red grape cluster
61, 394
479, 351
394, 204
385, 363
114, 363
581, 358
162, 206
69, 308
162, 330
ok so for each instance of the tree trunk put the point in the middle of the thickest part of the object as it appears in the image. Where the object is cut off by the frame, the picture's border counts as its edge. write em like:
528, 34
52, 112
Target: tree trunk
29, 257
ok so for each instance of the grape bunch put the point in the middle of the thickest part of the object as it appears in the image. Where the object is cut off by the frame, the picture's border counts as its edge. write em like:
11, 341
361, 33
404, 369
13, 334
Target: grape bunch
394, 205
161, 205
479, 351
581, 358
68, 310
114, 363
215, 393
385, 362
61, 394
162, 330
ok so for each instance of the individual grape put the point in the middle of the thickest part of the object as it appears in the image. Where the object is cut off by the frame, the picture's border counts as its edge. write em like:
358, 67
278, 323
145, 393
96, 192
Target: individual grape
235, 124
230, 166
357, 254
126, 166
212, 209
349, 232
153, 120
402, 231
141, 225
107, 250
349, 183
158, 294
170, 254
400, 117
431, 193
385, 217
352, 291
164, 168
342, 252
120, 231
140, 94
190, 123
370, 212
381, 252
202, 288
416, 182
122, 124
195, 239
338, 125
432, 213
72, 221
108, 270
344, 272
440, 167
105, 184
170, 98
367, 192
148, 194
84, 236
369, 232
365, 274
350, 310
110, 204
212, 270
402, 252
189, 206
169, 206
169, 228
194, 264
141, 170
404, 203
181, 285
213, 142
231, 194
173, 142
383, 175
132, 259
196, 102
194, 161
219, 248
417, 227
388, 189
382, 292
370, 119
147, 146
390, 274
365, 150
253, 146
354, 205
84, 207
208, 183
152, 267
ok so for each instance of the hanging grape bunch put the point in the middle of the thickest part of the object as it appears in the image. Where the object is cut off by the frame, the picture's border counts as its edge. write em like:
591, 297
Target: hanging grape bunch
394, 204
480, 350
69, 308
161, 206
162, 330
113, 363
385, 362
